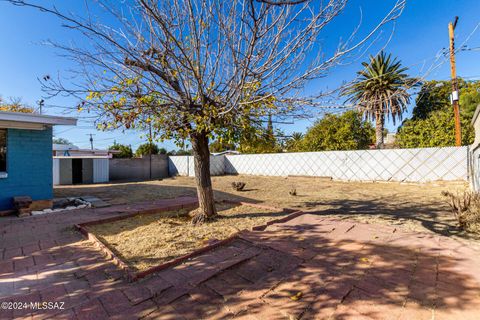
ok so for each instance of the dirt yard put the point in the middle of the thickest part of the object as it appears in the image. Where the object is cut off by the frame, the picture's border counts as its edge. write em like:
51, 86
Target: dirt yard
419, 207
148, 240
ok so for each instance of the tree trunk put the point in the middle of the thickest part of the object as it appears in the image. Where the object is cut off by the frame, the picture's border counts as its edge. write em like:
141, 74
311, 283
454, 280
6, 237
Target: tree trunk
201, 157
379, 124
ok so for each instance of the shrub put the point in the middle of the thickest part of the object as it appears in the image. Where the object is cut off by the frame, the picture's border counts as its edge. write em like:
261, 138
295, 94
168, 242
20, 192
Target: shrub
466, 208
146, 149
125, 151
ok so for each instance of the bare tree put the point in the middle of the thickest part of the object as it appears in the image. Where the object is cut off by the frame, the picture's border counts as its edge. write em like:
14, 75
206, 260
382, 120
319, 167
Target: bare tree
197, 69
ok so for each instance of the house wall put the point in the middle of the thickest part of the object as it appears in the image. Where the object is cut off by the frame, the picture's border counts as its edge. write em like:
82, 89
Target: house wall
29, 166
65, 171
474, 156
93, 171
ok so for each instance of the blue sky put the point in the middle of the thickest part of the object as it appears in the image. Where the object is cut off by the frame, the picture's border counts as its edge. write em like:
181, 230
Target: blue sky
420, 33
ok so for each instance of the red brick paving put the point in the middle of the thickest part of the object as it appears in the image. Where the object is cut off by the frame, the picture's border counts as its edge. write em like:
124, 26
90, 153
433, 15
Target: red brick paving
311, 267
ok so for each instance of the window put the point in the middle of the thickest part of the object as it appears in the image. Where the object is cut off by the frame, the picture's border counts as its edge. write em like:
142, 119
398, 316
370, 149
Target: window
3, 151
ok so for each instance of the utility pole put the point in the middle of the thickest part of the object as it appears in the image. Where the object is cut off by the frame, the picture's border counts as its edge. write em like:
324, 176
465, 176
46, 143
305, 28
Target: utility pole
455, 95
91, 140
41, 103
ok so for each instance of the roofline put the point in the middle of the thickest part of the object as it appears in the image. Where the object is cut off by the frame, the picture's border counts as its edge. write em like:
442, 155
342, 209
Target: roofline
81, 157
89, 150
37, 118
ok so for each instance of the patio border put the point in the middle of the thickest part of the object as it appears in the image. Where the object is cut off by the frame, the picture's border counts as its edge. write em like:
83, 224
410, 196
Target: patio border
133, 275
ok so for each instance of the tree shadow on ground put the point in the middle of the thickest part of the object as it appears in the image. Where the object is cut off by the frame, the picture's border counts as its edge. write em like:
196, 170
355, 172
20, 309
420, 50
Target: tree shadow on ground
432, 217
133, 192
430, 214
310, 267
325, 270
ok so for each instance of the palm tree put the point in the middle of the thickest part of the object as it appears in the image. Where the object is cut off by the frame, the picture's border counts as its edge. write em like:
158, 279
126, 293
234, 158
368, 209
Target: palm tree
381, 91
293, 144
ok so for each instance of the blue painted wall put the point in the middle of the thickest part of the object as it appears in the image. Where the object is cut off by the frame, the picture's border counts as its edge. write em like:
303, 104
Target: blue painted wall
29, 166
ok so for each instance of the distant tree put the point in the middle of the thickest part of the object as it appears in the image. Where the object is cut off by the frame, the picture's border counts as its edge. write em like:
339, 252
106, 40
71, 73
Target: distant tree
254, 137
261, 141
162, 151
125, 150
469, 98
220, 146
146, 149
182, 153
432, 123
381, 91
61, 141
347, 131
434, 95
15, 105
294, 143
436, 130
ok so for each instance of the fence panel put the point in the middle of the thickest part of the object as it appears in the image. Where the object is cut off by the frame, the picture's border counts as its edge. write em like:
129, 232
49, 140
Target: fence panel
414, 165
184, 166
144, 168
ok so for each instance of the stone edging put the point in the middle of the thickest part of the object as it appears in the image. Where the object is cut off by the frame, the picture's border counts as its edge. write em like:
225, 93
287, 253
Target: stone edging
134, 275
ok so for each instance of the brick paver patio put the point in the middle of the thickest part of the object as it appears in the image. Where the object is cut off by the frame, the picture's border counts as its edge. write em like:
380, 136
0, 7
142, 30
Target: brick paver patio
311, 267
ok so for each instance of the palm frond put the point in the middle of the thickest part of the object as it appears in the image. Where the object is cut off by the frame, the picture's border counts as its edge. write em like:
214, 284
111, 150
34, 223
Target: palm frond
381, 88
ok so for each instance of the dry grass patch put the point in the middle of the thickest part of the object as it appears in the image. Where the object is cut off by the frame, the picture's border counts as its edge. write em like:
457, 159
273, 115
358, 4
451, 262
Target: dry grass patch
415, 207
145, 241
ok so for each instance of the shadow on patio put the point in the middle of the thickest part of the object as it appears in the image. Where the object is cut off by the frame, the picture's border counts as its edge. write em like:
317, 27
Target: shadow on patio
325, 268
435, 217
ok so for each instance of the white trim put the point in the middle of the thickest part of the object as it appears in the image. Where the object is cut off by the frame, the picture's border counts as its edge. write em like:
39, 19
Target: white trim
82, 157
56, 172
3, 175
37, 118
21, 125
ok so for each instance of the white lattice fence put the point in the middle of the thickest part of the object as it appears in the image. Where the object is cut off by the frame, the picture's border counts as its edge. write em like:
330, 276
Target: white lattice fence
416, 165
183, 165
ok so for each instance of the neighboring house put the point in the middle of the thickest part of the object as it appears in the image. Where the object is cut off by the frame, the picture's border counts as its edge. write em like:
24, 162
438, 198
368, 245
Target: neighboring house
475, 152
26, 157
66, 150
80, 169
72, 165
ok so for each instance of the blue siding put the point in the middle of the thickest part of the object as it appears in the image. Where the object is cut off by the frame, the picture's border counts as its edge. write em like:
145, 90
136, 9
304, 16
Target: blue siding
29, 166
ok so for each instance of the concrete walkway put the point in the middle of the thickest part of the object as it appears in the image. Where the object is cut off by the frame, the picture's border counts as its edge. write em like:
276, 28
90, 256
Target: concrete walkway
311, 267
